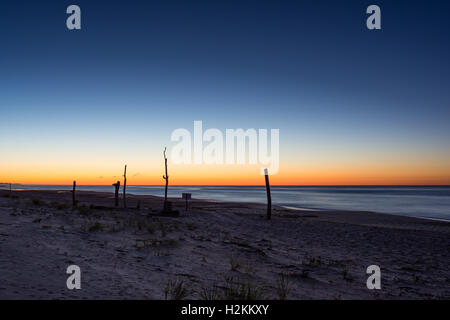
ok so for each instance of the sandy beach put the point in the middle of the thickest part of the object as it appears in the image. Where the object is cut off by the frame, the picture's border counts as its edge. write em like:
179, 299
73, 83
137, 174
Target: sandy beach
216, 250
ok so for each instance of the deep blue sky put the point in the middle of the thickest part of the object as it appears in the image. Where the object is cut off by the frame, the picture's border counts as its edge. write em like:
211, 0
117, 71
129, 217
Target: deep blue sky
310, 68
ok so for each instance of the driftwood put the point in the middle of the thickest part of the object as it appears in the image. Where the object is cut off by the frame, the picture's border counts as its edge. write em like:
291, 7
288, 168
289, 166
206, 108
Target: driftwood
74, 201
269, 198
125, 187
167, 207
116, 193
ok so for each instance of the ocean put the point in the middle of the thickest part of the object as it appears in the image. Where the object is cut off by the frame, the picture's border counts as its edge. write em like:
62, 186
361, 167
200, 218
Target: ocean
418, 201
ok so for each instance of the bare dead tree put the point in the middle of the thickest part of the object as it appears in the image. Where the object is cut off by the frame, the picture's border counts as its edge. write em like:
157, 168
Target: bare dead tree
125, 187
165, 177
116, 193
269, 198
74, 201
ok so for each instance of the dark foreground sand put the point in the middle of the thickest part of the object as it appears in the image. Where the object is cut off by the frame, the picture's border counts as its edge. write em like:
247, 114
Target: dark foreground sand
215, 250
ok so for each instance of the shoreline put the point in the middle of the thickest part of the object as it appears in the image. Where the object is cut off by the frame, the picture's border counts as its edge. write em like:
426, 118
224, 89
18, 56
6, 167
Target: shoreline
288, 207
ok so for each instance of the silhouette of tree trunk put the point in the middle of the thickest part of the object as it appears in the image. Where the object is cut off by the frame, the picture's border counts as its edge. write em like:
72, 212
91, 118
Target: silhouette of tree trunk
74, 201
125, 187
269, 198
165, 177
116, 193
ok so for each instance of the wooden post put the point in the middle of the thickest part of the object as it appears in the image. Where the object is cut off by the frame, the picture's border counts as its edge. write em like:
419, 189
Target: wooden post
125, 187
116, 193
74, 202
269, 199
187, 197
10, 189
165, 177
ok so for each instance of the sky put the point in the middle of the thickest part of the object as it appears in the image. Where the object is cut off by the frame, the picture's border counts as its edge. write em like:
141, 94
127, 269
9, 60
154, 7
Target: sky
353, 106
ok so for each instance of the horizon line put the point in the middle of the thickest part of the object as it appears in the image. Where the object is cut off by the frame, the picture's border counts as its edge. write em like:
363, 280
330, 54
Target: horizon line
240, 185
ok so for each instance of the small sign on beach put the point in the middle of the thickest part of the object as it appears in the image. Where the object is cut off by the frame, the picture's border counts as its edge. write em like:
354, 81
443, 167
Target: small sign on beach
186, 196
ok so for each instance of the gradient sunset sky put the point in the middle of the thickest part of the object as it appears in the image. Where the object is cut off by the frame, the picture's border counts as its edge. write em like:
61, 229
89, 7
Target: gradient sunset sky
354, 107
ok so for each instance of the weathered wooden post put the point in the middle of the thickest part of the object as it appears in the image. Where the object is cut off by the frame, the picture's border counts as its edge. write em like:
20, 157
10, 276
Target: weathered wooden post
10, 189
269, 199
125, 187
116, 193
74, 201
166, 177
187, 197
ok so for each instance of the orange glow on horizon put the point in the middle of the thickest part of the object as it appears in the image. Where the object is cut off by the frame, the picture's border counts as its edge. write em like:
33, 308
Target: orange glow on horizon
234, 175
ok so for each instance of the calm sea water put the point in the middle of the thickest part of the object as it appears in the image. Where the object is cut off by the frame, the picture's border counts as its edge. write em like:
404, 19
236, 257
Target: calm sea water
427, 202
